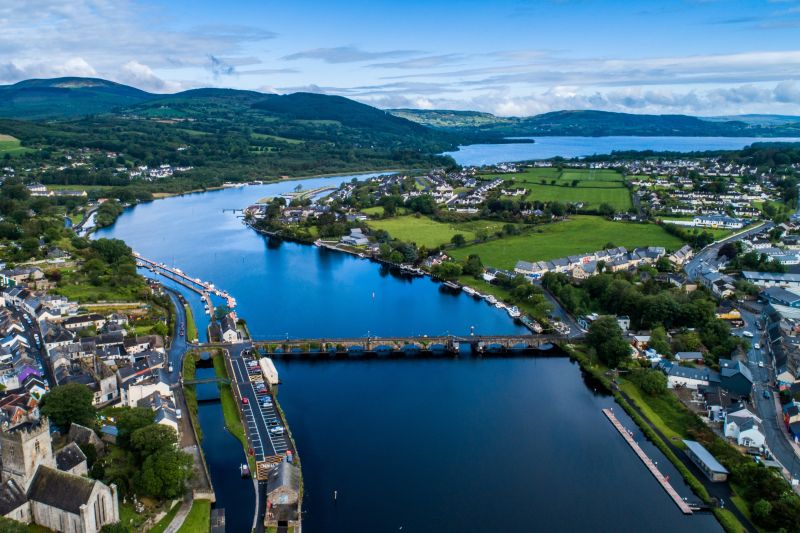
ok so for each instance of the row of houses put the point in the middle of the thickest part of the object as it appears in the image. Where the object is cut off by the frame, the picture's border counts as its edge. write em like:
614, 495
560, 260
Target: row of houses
585, 265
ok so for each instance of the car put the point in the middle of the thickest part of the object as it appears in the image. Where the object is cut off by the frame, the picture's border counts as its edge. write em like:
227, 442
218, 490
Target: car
757, 346
267, 400
245, 401
748, 334
277, 430
766, 394
761, 364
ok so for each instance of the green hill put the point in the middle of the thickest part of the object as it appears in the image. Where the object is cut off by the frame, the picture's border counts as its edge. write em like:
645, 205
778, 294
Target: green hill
66, 97
601, 123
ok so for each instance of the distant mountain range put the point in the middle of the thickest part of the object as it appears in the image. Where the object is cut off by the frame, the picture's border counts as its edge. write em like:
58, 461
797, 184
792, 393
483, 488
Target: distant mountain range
71, 98
603, 123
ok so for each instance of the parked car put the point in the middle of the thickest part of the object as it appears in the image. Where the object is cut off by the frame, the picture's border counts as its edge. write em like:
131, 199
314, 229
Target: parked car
748, 334
245, 401
757, 346
766, 394
761, 364
278, 430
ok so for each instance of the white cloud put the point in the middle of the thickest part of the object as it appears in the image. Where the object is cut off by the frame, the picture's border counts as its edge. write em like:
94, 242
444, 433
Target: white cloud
143, 77
346, 54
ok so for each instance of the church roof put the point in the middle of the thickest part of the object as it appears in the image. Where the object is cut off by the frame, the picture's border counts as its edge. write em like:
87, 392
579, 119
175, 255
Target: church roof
69, 457
11, 497
60, 489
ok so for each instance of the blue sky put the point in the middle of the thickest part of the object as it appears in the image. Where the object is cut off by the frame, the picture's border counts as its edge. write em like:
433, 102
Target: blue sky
701, 57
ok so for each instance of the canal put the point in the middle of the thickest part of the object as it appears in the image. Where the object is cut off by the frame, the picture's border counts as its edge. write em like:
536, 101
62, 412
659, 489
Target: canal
509, 444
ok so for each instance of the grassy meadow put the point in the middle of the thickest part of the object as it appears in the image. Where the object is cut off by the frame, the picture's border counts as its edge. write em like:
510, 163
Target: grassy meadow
592, 187
427, 232
581, 233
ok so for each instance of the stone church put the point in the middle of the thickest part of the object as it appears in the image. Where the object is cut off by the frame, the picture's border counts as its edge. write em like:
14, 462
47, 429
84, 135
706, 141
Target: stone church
49, 489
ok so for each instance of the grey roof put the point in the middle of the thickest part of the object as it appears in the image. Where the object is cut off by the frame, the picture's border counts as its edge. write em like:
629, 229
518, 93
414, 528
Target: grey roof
771, 276
284, 475
688, 356
729, 367
745, 422
60, 489
69, 457
781, 295
11, 497
82, 435
700, 374
705, 456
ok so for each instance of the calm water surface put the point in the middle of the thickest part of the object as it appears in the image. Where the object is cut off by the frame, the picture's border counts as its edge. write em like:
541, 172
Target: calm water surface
547, 147
423, 445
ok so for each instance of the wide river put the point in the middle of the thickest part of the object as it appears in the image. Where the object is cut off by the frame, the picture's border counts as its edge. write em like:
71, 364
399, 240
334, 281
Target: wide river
495, 444
546, 147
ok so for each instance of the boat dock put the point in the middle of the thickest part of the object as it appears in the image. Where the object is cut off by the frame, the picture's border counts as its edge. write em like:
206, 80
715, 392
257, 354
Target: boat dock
682, 505
204, 288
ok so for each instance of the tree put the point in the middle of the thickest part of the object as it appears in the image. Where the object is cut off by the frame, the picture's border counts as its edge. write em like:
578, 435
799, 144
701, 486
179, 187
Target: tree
12, 526
653, 382
164, 474
606, 338
658, 341
129, 419
761, 510
68, 404
473, 265
458, 240
447, 270
152, 439
606, 210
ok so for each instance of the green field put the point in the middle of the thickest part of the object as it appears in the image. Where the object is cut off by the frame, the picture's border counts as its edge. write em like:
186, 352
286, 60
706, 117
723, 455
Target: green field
199, 518
426, 232
275, 138
579, 234
593, 187
10, 145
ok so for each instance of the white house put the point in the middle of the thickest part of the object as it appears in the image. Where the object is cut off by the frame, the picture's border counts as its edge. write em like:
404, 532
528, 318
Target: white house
744, 427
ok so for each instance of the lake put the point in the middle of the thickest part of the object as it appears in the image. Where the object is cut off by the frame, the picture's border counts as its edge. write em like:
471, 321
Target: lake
547, 147
450, 445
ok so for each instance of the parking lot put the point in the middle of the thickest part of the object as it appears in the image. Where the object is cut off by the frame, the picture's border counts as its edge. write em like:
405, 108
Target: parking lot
266, 431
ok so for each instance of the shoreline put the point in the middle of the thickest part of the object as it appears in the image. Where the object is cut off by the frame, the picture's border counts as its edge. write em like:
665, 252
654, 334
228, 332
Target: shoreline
418, 272
237, 184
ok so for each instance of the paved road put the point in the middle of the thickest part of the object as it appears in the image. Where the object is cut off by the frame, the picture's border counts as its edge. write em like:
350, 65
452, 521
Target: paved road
709, 253
562, 314
775, 431
179, 345
31, 327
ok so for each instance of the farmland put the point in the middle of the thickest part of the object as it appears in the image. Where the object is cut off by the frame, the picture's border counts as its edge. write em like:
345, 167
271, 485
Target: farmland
10, 145
589, 186
579, 234
427, 232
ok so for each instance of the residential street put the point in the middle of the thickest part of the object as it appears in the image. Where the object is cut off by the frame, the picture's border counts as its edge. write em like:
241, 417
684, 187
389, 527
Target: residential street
767, 409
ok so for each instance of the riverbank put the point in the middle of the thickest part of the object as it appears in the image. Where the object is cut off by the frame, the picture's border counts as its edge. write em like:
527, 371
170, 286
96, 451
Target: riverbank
652, 427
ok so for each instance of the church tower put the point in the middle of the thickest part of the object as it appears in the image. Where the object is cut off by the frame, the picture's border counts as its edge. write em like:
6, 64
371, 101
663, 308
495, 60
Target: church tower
23, 448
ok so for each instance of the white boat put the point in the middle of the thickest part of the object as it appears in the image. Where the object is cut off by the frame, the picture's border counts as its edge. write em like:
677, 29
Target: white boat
469, 290
491, 299
500, 305
513, 312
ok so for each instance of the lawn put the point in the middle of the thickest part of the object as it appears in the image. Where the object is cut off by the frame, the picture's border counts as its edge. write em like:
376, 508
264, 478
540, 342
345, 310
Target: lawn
592, 187
199, 518
427, 232
579, 234
10, 145
191, 328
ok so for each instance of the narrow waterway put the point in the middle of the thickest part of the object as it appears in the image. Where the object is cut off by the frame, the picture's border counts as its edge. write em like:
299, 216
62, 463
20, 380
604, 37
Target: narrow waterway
514, 444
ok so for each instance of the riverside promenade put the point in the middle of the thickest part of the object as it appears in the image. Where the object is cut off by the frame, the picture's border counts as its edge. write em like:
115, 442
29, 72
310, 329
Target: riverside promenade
682, 505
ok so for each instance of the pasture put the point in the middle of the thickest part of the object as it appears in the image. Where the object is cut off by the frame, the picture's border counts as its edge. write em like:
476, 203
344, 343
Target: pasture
590, 186
581, 233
